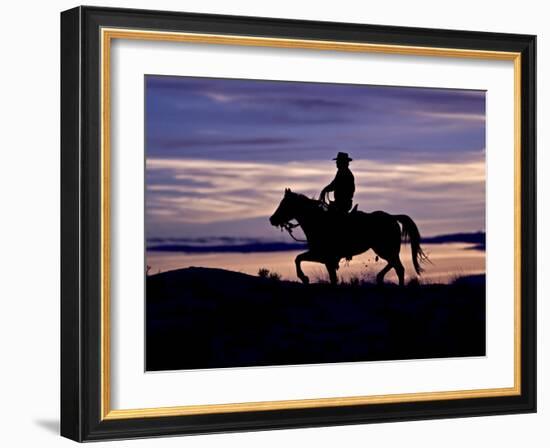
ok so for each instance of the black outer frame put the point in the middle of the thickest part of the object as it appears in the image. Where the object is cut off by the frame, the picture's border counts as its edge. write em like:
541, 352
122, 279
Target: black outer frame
80, 223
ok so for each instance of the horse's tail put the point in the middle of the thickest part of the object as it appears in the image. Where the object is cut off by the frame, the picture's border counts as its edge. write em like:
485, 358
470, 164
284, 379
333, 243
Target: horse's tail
409, 232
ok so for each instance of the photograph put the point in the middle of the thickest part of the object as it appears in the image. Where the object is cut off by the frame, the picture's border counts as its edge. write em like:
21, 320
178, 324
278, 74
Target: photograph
291, 223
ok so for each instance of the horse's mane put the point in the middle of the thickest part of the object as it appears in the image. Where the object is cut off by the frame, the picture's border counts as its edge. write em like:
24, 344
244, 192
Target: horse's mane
309, 201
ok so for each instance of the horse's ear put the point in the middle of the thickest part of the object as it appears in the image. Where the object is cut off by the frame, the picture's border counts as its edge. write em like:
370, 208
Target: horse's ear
287, 190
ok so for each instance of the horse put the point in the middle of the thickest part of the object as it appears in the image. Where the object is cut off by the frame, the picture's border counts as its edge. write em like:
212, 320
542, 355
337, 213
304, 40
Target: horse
332, 236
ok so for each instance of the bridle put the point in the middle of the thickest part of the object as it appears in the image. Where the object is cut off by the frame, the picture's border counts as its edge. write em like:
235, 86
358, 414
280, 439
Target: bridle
289, 227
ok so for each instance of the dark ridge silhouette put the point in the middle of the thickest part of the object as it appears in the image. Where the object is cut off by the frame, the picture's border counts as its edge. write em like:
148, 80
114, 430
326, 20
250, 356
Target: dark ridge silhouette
480, 247
477, 238
250, 245
201, 240
223, 248
211, 318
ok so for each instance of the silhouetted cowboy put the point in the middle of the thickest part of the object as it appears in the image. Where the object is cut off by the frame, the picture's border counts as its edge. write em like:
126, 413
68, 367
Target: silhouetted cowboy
343, 185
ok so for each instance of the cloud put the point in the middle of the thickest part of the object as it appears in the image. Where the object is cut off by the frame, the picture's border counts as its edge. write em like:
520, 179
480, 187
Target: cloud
221, 151
279, 120
202, 191
454, 116
219, 97
206, 140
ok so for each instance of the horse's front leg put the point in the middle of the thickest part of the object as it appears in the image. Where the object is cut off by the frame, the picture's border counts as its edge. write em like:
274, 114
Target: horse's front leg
305, 256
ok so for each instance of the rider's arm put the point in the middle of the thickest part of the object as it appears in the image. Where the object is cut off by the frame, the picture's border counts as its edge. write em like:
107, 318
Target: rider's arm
329, 187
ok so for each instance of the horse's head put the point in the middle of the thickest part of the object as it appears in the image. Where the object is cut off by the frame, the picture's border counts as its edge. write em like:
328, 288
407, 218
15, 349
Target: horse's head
286, 211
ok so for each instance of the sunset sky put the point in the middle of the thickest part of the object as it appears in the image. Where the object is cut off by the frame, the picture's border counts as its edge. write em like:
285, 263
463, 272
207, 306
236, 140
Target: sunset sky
219, 153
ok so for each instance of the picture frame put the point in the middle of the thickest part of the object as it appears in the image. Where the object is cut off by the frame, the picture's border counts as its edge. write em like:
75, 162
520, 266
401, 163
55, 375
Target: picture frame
86, 239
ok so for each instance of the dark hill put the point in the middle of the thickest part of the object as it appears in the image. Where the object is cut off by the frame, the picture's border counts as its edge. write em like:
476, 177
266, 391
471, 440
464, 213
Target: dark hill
209, 318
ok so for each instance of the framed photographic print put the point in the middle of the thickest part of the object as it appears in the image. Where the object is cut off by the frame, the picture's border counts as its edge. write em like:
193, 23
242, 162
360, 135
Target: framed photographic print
273, 223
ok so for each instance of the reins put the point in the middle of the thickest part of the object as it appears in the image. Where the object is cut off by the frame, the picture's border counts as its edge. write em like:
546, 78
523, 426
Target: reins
289, 227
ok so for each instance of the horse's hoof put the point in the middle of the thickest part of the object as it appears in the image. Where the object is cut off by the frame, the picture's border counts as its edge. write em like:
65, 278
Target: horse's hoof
305, 280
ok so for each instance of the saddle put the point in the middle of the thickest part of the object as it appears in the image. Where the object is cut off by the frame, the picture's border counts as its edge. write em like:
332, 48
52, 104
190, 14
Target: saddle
331, 208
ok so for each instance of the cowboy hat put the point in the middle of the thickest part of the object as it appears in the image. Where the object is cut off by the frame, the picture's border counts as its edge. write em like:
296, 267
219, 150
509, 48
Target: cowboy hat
343, 156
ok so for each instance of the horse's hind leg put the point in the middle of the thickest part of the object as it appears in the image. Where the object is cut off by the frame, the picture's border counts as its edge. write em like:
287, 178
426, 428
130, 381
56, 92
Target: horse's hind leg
332, 268
400, 270
382, 273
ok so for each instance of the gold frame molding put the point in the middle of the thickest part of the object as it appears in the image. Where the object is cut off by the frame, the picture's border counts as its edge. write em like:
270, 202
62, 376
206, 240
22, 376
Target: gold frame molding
107, 35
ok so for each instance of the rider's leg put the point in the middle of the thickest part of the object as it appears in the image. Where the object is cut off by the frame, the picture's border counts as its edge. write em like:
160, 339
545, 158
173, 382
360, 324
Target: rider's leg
342, 205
